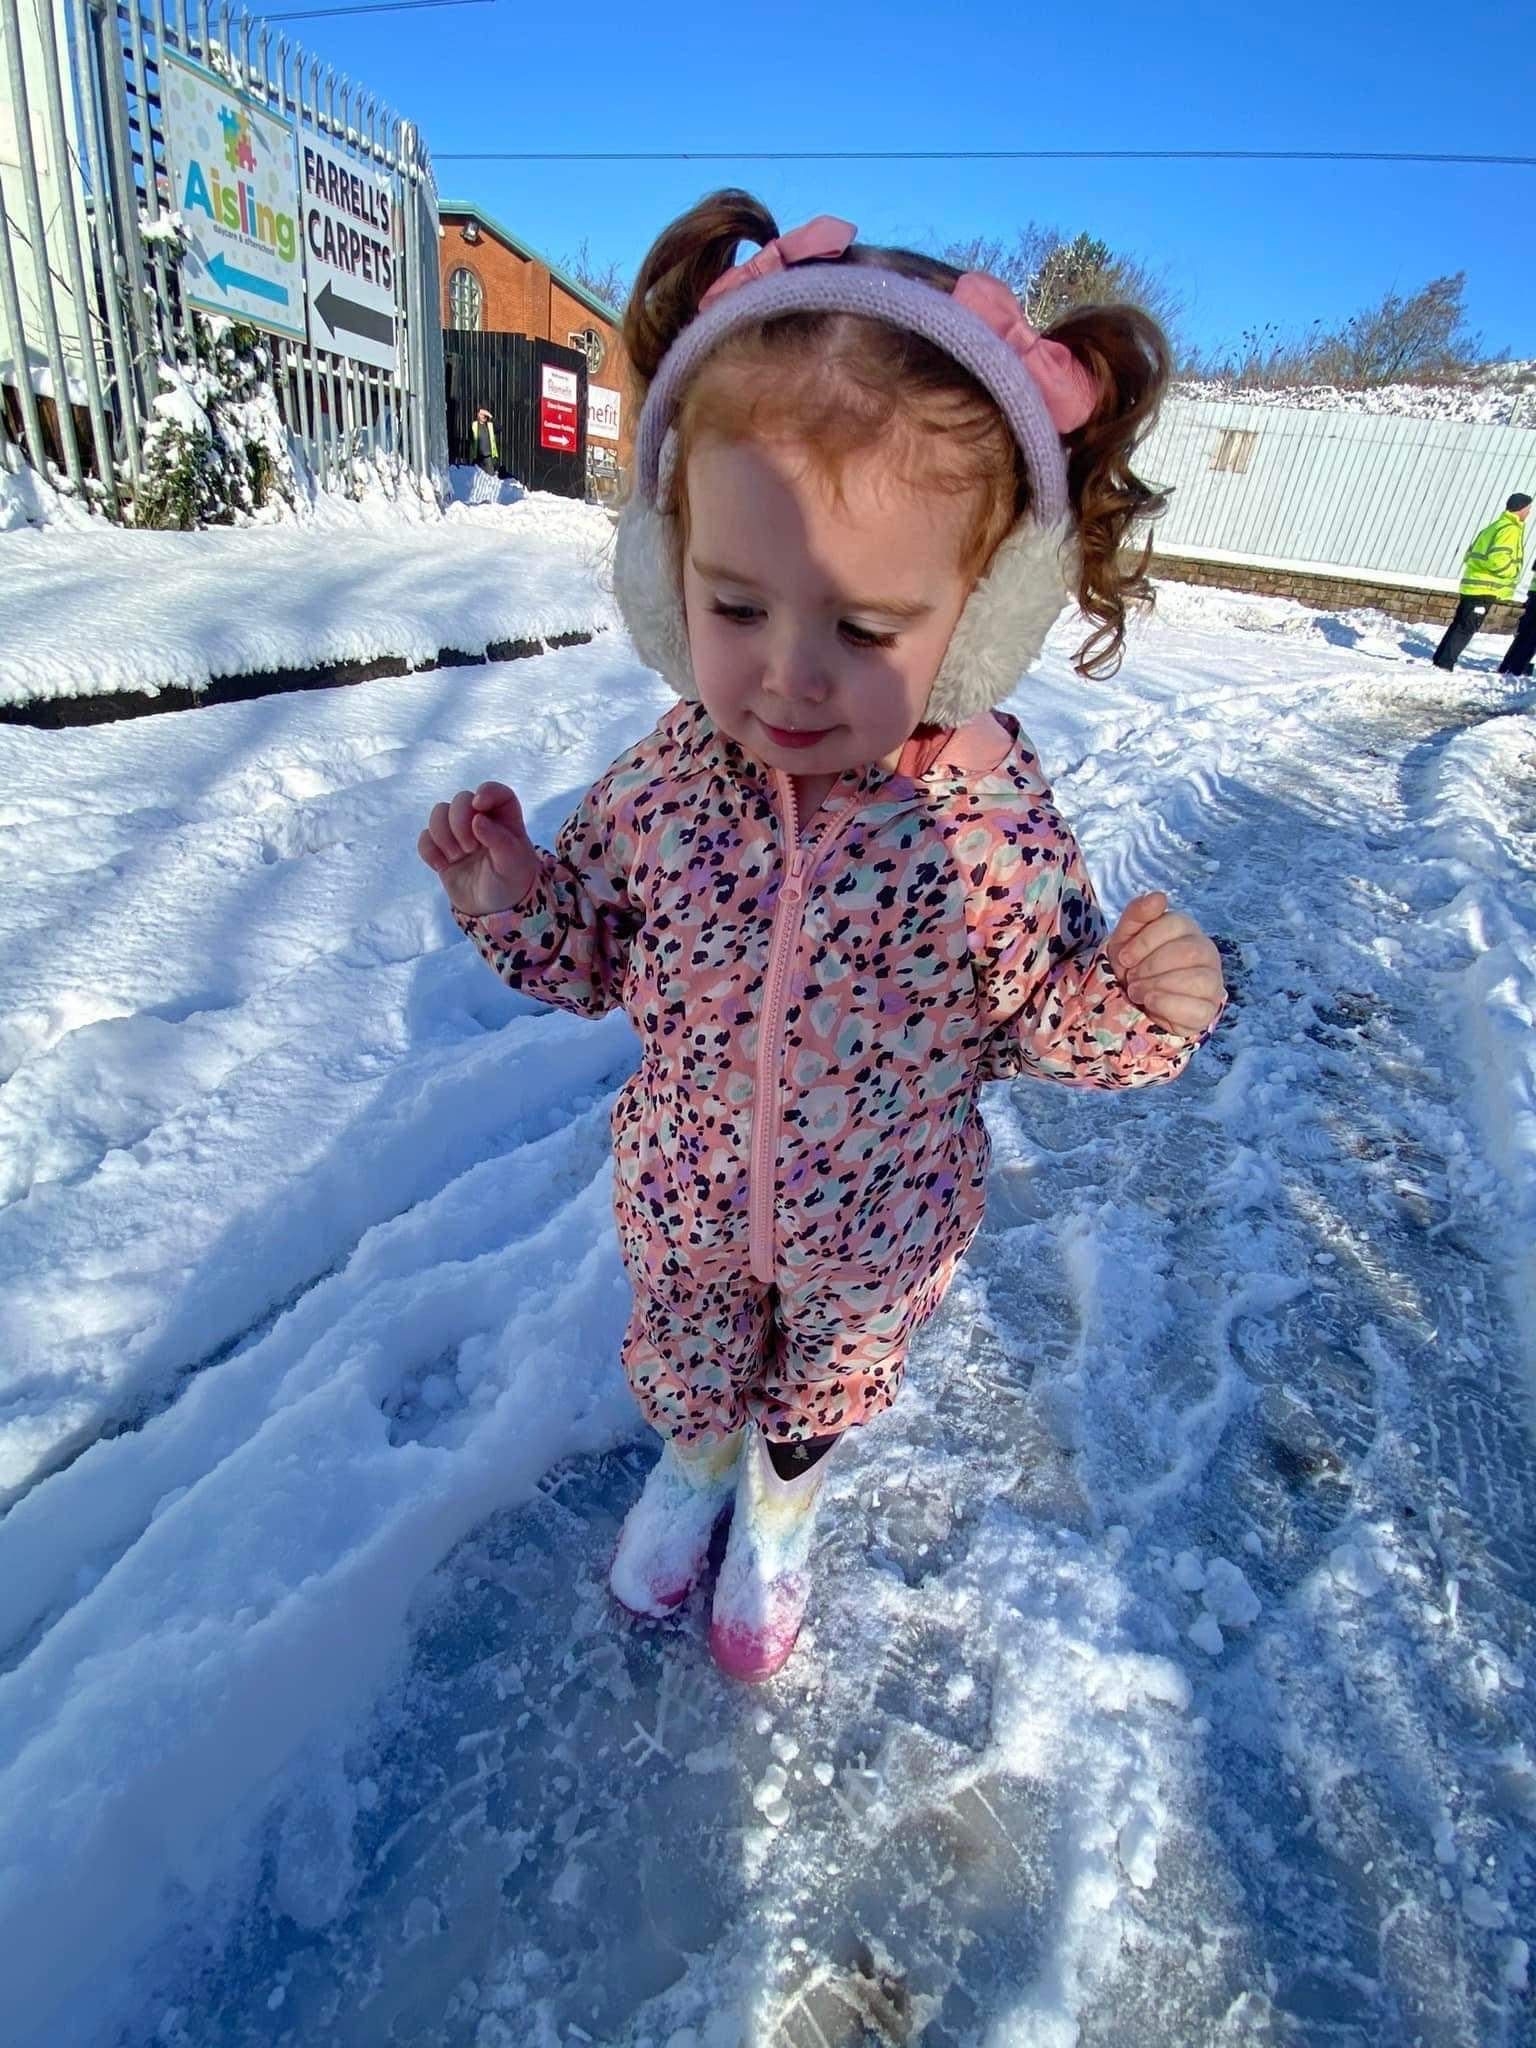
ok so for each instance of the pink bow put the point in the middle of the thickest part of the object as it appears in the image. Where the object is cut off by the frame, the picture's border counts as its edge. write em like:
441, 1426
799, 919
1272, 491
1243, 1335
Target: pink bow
819, 241
1066, 387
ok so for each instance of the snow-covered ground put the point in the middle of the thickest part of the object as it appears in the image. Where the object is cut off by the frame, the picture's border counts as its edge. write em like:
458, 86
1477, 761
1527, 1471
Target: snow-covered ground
1166, 1681
1504, 396
103, 609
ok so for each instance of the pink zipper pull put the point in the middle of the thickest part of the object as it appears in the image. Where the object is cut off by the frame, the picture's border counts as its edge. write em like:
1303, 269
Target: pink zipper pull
794, 881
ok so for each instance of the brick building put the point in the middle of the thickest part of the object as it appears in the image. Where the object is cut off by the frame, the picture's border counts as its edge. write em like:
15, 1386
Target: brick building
494, 282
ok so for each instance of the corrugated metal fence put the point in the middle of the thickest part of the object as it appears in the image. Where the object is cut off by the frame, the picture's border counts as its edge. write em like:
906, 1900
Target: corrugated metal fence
90, 303
1370, 494
502, 372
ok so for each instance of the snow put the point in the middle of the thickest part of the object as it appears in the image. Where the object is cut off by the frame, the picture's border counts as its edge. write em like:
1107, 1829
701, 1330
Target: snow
178, 405
1481, 825
26, 499
316, 1723
1205, 1632
469, 485
1356, 1568
143, 612
1228, 1597
1188, 1572
169, 228
1505, 395
41, 378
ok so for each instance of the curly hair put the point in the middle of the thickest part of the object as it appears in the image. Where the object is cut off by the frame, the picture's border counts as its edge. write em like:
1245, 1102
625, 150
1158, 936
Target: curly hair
839, 384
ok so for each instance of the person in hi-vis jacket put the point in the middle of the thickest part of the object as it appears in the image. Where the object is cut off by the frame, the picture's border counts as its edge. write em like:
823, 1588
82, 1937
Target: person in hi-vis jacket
1489, 573
483, 441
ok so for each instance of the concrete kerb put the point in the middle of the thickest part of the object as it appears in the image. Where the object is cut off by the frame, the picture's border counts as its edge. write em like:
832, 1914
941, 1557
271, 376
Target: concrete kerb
52, 714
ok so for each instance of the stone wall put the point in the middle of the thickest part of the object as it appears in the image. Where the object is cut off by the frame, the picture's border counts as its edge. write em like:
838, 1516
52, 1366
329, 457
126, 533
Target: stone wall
1330, 593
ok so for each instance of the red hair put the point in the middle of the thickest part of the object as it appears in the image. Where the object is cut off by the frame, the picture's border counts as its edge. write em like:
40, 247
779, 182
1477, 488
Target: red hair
837, 384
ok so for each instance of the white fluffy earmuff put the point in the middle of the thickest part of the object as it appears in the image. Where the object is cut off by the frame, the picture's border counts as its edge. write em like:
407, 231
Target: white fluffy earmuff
997, 637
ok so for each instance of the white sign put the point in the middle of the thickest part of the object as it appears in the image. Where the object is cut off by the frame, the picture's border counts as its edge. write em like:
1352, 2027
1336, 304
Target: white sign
602, 412
351, 254
231, 171
559, 385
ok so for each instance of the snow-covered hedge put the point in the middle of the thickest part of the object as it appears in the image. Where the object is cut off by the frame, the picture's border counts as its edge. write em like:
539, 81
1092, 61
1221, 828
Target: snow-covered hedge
217, 448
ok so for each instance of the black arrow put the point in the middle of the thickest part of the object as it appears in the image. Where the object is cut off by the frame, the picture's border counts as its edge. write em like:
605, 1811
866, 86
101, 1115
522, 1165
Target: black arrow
346, 316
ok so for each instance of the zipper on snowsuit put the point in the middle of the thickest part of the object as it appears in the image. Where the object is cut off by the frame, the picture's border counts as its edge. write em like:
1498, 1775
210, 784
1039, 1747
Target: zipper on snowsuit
767, 1117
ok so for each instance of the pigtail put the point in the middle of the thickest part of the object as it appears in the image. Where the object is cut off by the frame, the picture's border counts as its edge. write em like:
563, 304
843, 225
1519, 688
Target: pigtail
682, 264
1126, 354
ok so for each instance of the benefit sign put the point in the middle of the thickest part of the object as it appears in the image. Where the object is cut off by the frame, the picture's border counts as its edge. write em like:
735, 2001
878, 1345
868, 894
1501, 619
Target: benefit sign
351, 254
231, 169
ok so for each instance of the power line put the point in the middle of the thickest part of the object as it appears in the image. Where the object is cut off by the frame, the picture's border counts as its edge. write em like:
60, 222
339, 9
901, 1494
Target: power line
371, 7
932, 156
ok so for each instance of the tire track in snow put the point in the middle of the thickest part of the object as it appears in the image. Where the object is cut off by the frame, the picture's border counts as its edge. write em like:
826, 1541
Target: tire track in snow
1210, 1315
1385, 1871
1021, 1796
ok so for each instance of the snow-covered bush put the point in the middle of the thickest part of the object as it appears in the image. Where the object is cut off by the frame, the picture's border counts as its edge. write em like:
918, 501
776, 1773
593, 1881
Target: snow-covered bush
216, 451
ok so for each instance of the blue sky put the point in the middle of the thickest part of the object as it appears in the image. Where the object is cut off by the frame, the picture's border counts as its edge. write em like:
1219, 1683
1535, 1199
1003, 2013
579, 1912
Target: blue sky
1241, 243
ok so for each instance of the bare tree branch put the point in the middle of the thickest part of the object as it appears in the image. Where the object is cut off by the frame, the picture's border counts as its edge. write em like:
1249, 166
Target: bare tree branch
604, 281
1422, 338
1050, 275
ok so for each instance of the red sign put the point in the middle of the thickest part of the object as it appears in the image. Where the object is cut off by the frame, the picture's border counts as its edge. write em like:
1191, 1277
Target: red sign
557, 426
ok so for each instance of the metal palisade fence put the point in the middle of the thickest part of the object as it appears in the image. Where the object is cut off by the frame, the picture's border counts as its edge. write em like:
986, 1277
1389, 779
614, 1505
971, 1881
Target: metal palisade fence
165, 163
1371, 495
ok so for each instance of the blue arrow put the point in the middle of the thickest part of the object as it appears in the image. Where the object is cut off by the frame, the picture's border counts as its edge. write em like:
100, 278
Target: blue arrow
229, 279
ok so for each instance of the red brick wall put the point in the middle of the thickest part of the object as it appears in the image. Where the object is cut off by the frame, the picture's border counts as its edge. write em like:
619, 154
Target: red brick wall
504, 279
522, 297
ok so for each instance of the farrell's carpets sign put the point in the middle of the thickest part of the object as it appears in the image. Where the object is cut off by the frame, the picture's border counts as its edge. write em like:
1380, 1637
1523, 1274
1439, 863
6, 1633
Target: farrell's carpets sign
232, 176
351, 254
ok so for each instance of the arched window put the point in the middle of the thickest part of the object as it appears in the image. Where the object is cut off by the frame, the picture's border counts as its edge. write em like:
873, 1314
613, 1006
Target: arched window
466, 301
592, 346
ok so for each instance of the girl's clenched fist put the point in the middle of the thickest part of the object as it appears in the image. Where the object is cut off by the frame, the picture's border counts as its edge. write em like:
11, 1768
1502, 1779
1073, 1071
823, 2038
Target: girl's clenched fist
479, 849
1167, 966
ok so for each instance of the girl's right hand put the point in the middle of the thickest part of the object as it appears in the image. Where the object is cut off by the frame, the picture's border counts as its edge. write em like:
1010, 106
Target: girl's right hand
479, 850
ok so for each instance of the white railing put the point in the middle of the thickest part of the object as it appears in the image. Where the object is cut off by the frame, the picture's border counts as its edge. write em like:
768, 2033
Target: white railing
91, 304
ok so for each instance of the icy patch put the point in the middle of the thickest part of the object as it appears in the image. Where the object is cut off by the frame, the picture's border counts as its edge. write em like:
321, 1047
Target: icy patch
1228, 1596
1206, 1635
1354, 1568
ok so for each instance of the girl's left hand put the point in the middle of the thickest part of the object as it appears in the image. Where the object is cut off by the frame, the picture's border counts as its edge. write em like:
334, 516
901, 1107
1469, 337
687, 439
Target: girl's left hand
1166, 965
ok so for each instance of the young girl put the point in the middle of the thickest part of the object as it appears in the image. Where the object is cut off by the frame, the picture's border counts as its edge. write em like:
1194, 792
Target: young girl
831, 889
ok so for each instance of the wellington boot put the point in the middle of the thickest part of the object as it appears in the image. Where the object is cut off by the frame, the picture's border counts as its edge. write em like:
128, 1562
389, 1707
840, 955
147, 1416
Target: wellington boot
765, 1580
665, 1538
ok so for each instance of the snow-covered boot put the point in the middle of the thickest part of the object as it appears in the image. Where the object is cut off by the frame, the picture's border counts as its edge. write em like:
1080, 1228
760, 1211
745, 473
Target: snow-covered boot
765, 1581
665, 1538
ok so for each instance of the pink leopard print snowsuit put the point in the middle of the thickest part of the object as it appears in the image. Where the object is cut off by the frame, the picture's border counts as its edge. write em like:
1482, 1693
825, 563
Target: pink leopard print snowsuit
800, 1159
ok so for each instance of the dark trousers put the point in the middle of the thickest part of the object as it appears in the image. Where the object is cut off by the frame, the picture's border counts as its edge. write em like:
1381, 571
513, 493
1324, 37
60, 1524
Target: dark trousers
1470, 614
1520, 654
